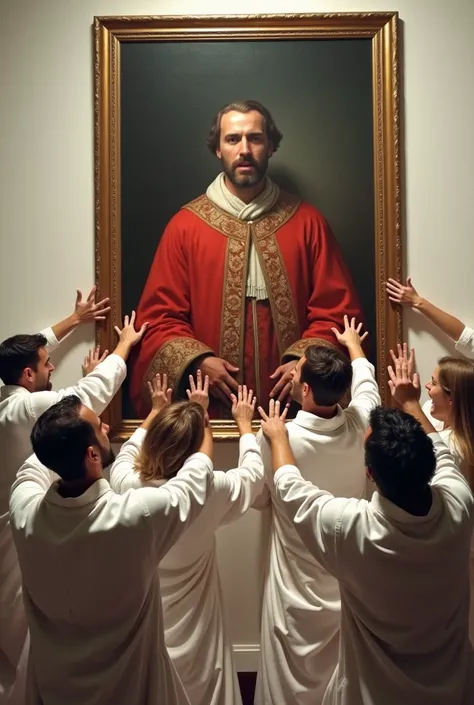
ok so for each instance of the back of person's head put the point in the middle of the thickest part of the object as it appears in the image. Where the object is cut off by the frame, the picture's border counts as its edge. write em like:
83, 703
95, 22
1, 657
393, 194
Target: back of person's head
327, 372
176, 433
60, 439
398, 454
456, 377
18, 352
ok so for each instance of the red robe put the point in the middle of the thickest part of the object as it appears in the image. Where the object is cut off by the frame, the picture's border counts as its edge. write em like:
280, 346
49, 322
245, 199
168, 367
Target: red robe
195, 302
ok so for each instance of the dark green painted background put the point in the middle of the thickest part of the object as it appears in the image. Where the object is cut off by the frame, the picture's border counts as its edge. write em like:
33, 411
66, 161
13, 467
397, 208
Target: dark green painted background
320, 95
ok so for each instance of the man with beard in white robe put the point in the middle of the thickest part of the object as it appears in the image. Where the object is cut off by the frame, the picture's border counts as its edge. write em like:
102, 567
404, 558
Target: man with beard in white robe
25, 368
301, 605
88, 558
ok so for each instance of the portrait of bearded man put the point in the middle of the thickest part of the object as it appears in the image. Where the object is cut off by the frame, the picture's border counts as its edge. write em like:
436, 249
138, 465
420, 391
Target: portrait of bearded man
244, 278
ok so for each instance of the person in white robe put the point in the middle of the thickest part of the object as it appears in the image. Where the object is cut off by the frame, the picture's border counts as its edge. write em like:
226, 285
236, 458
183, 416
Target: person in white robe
452, 424
401, 558
26, 368
88, 558
301, 603
196, 631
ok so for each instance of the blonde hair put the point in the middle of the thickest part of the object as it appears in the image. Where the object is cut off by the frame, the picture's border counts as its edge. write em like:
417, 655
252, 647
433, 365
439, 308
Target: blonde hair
456, 377
176, 433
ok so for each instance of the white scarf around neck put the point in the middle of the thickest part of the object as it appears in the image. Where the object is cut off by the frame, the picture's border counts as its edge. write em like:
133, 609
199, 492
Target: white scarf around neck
219, 194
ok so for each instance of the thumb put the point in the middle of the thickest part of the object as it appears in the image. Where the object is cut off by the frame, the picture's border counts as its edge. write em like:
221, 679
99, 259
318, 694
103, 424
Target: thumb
416, 380
78, 295
392, 387
409, 281
231, 368
276, 373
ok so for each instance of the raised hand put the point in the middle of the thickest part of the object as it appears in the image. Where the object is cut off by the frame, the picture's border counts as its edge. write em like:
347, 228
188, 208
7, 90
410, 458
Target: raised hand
243, 409
221, 382
198, 391
160, 393
128, 335
90, 310
283, 386
350, 336
273, 423
92, 359
403, 294
404, 383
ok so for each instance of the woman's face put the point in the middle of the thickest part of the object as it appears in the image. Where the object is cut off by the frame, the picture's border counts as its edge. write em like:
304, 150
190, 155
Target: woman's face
440, 400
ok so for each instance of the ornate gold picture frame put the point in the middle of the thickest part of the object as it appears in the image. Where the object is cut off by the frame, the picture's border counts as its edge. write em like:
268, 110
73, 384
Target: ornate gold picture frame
370, 35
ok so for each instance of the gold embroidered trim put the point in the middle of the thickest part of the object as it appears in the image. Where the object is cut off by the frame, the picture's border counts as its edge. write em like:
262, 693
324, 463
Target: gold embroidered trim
298, 348
173, 358
233, 302
238, 233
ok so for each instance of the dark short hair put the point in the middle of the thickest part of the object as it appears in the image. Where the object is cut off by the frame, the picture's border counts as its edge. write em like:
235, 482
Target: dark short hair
328, 373
398, 453
244, 106
18, 352
60, 438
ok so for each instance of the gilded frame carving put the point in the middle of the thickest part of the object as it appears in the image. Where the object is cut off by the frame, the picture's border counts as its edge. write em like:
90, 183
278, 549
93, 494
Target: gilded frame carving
110, 32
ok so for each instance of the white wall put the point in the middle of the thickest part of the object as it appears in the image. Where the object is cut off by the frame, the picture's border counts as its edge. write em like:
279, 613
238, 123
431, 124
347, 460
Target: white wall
46, 184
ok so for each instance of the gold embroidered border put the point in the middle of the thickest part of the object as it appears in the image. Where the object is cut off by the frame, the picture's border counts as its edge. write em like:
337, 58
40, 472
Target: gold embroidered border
285, 318
173, 358
233, 295
217, 218
298, 348
233, 302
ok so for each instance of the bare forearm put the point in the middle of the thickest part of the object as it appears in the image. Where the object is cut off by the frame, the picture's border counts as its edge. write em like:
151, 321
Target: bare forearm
65, 326
450, 325
281, 453
414, 409
355, 351
207, 443
149, 419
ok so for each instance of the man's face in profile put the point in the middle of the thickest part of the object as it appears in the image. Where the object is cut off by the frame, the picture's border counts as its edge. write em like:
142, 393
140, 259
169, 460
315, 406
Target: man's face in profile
244, 148
296, 384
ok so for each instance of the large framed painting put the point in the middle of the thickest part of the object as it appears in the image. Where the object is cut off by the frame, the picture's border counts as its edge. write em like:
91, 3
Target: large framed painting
331, 85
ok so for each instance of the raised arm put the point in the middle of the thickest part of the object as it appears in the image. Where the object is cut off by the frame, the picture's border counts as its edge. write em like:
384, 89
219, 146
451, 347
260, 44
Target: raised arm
407, 295
314, 512
98, 388
237, 489
87, 311
365, 394
173, 507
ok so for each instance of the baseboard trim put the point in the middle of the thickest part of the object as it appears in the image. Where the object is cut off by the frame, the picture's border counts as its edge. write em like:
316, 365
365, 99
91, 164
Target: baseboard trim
246, 657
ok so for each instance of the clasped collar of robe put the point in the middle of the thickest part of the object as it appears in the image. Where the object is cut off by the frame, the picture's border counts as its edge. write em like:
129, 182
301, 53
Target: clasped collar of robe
395, 513
312, 422
90, 496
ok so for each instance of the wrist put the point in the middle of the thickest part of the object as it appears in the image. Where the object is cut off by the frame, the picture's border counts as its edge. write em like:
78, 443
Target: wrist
410, 405
419, 302
73, 320
244, 427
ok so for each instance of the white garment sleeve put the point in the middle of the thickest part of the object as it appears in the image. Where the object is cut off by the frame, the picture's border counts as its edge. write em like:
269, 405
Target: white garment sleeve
236, 490
51, 341
315, 514
365, 394
122, 476
32, 481
264, 499
171, 508
465, 344
96, 390
450, 481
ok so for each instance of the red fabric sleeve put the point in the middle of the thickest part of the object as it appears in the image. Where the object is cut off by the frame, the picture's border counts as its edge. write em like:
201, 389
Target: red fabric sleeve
169, 344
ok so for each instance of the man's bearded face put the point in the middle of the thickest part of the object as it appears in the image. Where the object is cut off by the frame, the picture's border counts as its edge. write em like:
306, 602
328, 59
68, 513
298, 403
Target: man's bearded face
244, 148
